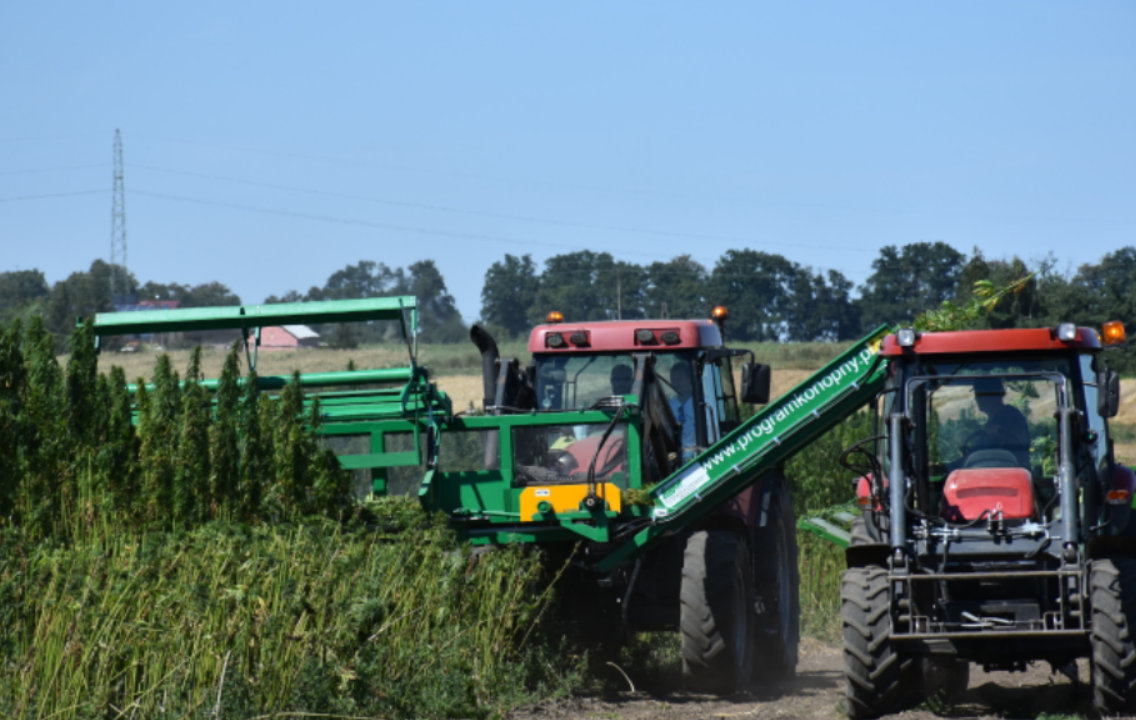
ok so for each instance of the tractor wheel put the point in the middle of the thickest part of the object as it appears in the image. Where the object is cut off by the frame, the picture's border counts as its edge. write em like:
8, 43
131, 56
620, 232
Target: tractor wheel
777, 595
1112, 587
878, 679
715, 612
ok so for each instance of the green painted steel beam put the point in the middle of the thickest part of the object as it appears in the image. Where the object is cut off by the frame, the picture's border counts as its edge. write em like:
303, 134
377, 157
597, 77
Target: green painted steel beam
324, 379
247, 317
826, 531
760, 444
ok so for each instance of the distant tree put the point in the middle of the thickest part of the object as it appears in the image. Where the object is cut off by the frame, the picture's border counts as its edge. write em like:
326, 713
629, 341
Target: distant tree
289, 297
1097, 293
1108, 288
161, 291
820, 308
907, 280
438, 315
22, 292
1058, 298
82, 294
586, 285
757, 288
509, 295
677, 289
362, 280
365, 279
343, 337
211, 294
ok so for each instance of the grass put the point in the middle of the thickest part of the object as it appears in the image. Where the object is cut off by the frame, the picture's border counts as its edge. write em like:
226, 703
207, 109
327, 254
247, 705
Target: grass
821, 564
237, 621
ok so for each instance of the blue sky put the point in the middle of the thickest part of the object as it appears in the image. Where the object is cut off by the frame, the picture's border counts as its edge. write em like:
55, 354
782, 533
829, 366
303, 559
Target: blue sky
268, 145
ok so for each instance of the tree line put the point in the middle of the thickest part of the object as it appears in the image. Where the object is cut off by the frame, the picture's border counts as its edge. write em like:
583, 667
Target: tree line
770, 298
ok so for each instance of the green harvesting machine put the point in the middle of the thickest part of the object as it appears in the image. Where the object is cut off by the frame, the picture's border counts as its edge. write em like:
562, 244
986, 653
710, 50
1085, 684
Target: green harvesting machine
621, 449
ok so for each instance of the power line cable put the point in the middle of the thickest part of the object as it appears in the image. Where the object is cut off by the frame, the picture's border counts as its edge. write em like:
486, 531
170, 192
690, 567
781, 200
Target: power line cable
350, 221
578, 224
319, 217
46, 196
64, 168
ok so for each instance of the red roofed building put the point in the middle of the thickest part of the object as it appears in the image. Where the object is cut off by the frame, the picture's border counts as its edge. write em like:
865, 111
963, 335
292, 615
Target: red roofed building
288, 336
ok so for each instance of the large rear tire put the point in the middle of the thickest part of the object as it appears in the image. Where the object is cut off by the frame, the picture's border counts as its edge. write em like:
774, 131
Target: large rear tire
1112, 587
714, 613
878, 679
778, 582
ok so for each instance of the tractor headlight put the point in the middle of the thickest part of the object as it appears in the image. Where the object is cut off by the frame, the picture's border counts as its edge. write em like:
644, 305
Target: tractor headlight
1066, 332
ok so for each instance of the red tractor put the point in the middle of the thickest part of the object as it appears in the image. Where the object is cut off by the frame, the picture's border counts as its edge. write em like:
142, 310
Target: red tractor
996, 524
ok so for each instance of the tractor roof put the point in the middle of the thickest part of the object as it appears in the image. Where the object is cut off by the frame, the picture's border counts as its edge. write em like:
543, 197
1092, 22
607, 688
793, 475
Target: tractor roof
624, 335
991, 341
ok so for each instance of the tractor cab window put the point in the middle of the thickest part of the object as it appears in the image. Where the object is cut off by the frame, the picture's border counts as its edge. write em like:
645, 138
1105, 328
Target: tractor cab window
727, 394
692, 391
992, 422
989, 428
557, 454
1096, 424
576, 382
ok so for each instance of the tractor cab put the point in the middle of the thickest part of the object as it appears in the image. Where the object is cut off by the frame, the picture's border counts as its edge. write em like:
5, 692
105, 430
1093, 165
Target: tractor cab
675, 372
988, 426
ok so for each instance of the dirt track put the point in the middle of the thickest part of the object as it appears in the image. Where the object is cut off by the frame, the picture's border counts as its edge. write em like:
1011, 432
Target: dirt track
818, 693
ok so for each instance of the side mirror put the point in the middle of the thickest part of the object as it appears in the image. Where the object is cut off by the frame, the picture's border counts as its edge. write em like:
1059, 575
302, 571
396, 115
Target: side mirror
1108, 400
755, 383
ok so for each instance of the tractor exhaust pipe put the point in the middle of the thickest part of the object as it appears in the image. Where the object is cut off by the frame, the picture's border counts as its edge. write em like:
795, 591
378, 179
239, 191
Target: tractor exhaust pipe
487, 346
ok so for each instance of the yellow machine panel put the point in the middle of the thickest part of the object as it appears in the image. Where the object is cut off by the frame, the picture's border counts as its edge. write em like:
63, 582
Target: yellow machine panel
537, 500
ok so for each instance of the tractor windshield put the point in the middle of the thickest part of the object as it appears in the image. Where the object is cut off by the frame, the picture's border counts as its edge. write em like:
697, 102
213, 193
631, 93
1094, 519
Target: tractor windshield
977, 417
992, 421
576, 382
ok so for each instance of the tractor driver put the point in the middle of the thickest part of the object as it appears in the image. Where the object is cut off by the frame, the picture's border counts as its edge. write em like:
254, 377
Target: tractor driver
621, 379
682, 406
1005, 428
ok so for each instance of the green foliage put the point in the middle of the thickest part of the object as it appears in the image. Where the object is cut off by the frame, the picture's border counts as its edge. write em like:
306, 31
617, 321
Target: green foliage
75, 455
757, 288
904, 280
208, 560
984, 299
212, 294
254, 621
819, 479
587, 285
438, 316
677, 289
508, 296
821, 564
23, 293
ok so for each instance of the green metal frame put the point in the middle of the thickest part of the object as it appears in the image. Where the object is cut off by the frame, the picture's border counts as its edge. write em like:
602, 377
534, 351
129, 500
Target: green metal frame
374, 403
486, 503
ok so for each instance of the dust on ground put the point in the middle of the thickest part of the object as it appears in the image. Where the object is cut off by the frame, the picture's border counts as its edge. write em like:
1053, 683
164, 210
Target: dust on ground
818, 693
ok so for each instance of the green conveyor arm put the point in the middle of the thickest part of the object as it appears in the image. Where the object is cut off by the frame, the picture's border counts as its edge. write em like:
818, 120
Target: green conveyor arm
760, 444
